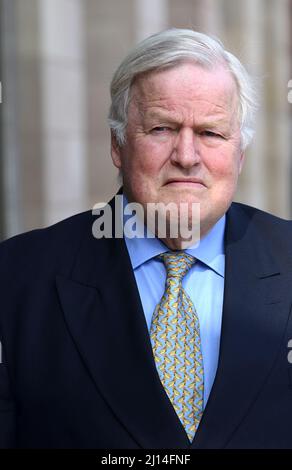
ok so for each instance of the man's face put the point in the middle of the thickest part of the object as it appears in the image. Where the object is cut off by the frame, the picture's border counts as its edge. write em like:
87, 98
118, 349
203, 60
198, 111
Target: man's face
182, 140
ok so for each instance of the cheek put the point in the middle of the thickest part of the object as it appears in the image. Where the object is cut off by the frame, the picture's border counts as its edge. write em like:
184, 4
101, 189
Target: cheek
148, 157
224, 164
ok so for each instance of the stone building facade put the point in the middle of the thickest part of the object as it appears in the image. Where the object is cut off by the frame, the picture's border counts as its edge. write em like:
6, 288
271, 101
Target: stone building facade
57, 59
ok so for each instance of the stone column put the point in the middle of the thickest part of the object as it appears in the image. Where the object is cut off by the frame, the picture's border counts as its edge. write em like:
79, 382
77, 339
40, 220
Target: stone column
10, 162
150, 17
63, 78
109, 36
252, 184
265, 181
279, 149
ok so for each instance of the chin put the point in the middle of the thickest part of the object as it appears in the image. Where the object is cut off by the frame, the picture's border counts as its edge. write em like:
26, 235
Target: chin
180, 197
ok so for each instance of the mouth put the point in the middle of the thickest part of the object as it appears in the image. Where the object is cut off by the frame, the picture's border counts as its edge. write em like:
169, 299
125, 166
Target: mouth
186, 182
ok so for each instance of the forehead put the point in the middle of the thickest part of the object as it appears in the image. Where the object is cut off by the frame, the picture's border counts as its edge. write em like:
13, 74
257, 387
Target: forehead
186, 85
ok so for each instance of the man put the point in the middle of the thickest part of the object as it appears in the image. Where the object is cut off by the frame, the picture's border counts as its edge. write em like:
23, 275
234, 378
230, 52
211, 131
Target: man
152, 342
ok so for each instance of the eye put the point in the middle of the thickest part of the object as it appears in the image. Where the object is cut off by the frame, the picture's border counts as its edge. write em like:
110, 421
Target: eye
211, 134
160, 129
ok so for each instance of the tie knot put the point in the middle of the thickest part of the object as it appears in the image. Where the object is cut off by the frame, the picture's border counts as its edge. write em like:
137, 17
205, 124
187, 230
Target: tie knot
177, 264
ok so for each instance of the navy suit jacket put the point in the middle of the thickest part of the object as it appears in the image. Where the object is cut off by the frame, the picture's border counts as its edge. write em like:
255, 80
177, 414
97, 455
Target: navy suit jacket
77, 366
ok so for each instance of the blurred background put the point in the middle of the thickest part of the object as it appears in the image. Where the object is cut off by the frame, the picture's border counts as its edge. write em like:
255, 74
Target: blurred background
56, 62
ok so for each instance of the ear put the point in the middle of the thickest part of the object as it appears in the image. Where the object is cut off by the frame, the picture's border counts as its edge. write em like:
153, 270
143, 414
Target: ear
241, 161
115, 151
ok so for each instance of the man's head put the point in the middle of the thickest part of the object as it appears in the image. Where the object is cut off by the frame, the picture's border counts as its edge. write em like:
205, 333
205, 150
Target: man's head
181, 117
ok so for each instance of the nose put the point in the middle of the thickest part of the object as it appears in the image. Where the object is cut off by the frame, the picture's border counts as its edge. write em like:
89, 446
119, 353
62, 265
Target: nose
186, 152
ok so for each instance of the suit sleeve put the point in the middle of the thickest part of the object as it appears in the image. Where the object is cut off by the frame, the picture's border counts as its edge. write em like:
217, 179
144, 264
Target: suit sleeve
7, 403
7, 410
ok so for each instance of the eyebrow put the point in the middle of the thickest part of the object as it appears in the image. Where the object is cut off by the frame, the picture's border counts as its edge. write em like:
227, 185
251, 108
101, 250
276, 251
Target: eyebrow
170, 117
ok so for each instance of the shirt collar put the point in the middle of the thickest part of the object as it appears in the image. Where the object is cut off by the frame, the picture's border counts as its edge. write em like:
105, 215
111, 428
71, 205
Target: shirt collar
209, 251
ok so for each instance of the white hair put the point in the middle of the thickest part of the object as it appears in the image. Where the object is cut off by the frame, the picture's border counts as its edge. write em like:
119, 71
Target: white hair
168, 49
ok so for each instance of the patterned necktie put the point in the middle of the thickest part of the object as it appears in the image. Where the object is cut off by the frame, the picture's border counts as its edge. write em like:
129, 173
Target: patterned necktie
175, 338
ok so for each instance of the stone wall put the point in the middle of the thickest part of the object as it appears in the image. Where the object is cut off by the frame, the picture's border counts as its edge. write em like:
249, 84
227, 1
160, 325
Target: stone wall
58, 57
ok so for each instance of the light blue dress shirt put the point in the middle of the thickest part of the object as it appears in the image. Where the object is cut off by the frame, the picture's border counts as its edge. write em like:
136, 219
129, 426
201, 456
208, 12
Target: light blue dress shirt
204, 283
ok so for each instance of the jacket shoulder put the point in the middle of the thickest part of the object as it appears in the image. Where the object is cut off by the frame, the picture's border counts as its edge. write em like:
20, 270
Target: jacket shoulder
275, 230
40, 248
260, 216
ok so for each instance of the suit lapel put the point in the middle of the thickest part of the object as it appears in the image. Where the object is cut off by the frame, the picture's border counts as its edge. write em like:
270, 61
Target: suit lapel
254, 318
103, 312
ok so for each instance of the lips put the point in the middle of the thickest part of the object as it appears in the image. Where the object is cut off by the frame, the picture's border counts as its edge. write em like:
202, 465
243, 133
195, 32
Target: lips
185, 181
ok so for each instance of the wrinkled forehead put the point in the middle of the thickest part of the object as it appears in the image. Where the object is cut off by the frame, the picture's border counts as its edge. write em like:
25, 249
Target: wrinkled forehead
186, 82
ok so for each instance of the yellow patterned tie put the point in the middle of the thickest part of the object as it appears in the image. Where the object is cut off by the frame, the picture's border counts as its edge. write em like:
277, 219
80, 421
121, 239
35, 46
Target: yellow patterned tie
175, 338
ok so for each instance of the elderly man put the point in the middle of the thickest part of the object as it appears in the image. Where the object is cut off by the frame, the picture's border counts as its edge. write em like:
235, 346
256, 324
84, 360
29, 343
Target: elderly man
154, 342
